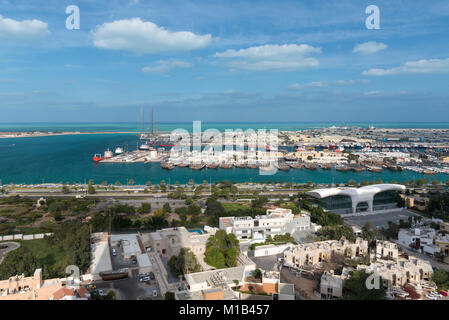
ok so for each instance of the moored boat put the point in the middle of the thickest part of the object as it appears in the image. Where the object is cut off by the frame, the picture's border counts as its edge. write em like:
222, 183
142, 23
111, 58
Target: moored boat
226, 166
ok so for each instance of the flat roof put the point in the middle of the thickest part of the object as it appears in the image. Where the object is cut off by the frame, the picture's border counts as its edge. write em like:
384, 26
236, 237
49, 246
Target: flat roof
143, 260
101, 257
129, 242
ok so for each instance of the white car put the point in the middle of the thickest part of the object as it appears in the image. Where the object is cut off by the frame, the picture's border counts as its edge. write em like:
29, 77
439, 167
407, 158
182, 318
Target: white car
114, 252
431, 297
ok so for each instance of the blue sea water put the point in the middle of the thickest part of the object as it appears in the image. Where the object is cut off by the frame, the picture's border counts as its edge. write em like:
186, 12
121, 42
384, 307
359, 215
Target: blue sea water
68, 158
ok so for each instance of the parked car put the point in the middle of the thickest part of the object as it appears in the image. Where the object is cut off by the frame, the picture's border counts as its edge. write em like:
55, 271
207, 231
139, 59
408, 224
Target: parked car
443, 293
431, 297
154, 293
114, 252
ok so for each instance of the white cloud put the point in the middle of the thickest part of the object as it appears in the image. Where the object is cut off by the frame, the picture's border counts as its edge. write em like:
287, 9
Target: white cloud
298, 86
165, 65
369, 47
142, 37
288, 57
23, 30
420, 66
372, 93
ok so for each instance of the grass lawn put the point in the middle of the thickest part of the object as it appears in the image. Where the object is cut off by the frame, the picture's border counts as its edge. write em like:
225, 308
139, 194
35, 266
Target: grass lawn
47, 253
230, 206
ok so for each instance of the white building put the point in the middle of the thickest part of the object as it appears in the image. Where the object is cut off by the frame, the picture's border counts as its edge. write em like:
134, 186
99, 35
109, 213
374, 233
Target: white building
353, 200
276, 221
422, 239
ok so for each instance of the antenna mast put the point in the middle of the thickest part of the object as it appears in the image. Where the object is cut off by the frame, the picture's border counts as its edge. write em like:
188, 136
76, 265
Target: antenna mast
152, 122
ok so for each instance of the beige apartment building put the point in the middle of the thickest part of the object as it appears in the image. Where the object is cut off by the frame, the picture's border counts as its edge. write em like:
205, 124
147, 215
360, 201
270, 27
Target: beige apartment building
35, 288
401, 271
317, 252
387, 250
168, 242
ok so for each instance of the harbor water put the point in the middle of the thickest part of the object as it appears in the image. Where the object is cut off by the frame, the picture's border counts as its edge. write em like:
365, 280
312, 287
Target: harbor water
68, 159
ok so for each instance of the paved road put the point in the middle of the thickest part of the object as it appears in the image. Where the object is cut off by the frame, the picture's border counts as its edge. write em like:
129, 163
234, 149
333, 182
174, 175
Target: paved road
10, 246
433, 262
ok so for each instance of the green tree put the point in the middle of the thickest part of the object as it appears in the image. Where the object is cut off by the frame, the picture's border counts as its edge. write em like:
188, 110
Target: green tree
257, 274
356, 288
222, 250
441, 279
145, 207
214, 257
91, 189
166, 207
185, 262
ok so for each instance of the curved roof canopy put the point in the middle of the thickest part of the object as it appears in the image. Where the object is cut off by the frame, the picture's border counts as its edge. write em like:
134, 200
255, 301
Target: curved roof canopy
370, 190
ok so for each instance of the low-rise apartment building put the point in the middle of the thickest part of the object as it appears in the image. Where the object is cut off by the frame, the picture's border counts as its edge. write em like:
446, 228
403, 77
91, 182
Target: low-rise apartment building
332, 285
401, 271
233, 283
387, 249
35, 287
168, 242
318, 252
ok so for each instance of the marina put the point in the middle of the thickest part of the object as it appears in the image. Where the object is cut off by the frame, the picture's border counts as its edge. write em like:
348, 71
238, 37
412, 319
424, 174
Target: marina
69, 158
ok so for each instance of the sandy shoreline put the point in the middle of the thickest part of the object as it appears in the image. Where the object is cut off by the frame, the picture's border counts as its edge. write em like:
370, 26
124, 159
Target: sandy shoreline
5, 135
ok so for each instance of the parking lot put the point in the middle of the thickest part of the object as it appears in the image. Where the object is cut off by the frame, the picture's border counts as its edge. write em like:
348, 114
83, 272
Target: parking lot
130, 288
380, 220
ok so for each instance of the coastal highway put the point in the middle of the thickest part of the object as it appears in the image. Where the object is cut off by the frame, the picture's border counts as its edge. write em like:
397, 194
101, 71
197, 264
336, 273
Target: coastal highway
134, 194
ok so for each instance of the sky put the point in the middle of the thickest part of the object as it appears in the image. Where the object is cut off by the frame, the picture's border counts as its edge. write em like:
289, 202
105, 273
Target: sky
255, 61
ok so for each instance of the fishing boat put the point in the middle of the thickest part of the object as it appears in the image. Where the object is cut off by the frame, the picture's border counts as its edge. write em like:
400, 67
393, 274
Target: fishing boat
283, 167
252, 166
98, 157
197, 166
310, 166
144, 147
296, 165
375, 169
240, 165
325, 166
183, 164
226, 166
167, 165
212, 165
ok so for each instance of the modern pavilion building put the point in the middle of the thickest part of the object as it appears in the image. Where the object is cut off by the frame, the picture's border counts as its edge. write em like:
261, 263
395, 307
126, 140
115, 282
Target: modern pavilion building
353, 200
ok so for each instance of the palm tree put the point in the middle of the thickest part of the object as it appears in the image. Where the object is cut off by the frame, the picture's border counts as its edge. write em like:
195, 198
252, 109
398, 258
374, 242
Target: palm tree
117, 183
131, 182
